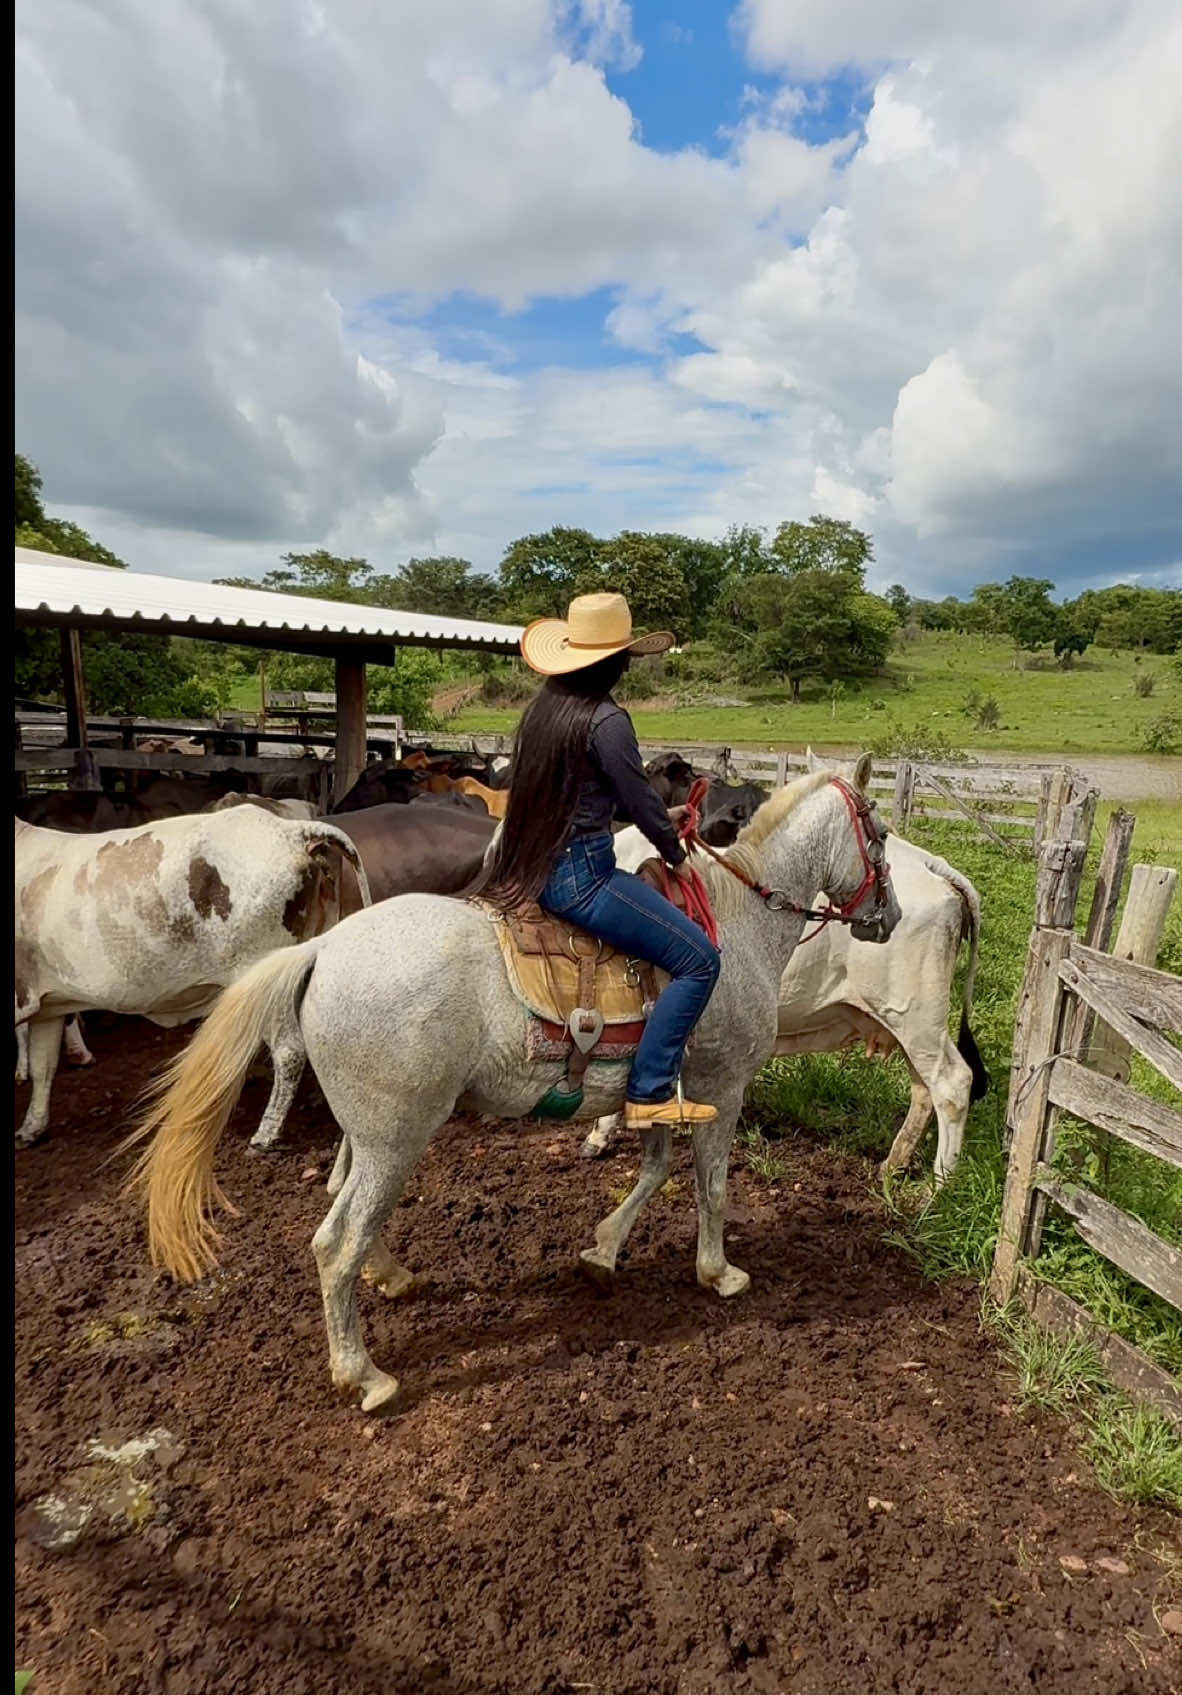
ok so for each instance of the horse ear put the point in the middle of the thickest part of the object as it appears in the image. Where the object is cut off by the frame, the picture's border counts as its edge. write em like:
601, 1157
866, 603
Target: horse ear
862, 772
811, 762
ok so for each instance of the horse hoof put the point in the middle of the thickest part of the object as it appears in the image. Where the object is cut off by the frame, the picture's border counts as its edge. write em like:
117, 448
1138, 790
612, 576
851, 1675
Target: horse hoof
380, 1394
597, 1270
400, 1282
253, 1147
731, 1282
592, 1150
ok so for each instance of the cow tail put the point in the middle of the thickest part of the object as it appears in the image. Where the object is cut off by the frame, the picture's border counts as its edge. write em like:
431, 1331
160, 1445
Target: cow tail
966, 1045
318, 833
190, 1106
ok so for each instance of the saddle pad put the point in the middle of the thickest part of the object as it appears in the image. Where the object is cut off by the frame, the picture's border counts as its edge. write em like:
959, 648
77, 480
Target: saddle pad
541, 957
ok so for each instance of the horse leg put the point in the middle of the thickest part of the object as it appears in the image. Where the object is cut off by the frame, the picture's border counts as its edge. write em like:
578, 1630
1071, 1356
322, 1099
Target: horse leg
377, 1176
384, 1272
287, 1061
712, 1147
600, 1139
22, 1053
45, 1043
656, 1163
340, 1170
381, 1268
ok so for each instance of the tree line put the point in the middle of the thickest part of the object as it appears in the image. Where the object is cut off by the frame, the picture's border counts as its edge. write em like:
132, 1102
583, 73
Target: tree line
790, 605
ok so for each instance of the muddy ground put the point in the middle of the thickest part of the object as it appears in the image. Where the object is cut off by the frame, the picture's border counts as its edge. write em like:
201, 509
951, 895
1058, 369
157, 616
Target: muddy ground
824, 1487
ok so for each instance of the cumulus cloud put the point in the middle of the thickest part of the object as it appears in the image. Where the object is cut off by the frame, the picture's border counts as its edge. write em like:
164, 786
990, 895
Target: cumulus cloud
952, 322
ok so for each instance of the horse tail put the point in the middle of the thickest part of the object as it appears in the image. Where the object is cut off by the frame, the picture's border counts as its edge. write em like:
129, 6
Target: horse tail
191, 1103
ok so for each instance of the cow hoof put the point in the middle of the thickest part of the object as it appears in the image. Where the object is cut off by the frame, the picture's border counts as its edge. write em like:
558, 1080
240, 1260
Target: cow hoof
597, 1270
730, 1282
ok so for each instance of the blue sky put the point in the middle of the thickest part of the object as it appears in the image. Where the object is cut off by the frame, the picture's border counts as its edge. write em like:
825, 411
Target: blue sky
400, 280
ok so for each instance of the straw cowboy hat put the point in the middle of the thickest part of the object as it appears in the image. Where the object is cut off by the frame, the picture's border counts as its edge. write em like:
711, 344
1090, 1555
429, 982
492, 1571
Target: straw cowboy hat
595, 626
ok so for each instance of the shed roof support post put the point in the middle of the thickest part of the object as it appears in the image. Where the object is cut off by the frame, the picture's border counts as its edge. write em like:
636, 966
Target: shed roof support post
74, 688
351, 726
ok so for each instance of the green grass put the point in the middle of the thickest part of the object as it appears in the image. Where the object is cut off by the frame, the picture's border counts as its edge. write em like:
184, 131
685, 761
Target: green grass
858, 1105
1136, 1454
1088, 709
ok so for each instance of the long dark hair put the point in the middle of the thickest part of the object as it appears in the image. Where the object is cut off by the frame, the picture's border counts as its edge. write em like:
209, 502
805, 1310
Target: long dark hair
549, 762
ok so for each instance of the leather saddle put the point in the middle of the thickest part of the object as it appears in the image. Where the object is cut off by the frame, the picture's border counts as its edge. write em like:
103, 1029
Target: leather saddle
587, 1000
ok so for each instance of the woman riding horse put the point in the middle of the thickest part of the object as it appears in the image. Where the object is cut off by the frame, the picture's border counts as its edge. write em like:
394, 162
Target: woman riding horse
576, 767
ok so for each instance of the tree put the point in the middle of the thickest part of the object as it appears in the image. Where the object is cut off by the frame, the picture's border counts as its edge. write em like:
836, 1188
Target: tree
813, 624
445, 586
125, 673
645, 570
319, 573
899, 602
823, 544
28, 493
1026, 614
745, 551
541, 574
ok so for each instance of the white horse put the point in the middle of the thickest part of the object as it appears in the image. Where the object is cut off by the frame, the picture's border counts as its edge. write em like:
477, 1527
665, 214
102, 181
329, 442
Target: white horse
406, 1014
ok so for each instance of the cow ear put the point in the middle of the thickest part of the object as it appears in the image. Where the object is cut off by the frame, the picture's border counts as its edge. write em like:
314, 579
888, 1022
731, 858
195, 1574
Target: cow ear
862, 772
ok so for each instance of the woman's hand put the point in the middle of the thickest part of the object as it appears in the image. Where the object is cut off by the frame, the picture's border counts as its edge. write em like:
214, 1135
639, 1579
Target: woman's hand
683, 872
678, 815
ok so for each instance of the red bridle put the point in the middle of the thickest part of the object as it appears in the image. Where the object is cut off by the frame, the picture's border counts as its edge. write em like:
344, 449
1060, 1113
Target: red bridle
868, 834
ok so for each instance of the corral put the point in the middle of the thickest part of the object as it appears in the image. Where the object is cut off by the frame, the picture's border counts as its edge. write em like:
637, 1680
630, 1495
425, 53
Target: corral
827, 1486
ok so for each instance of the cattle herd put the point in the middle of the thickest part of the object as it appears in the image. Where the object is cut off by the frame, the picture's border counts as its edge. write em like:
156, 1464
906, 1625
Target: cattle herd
150, 902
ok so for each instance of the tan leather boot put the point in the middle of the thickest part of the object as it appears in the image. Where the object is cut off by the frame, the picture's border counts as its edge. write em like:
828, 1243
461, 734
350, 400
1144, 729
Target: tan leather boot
639, 1116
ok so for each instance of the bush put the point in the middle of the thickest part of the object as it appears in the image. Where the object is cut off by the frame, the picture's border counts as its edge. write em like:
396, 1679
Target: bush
895, 741
642, 680
1163, 734
508, 688
1143, 685
988, 713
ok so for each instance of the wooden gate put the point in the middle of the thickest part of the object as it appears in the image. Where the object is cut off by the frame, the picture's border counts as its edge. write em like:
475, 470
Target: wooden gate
1069, 987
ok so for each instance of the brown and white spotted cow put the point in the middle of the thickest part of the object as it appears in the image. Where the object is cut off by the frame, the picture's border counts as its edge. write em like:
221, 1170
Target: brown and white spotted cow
157, 920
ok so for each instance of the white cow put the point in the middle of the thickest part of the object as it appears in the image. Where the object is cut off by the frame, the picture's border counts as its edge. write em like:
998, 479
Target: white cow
838, 992
157, 920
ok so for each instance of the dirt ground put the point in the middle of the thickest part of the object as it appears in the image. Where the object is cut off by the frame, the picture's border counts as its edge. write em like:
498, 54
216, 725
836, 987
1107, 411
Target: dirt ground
822, 1488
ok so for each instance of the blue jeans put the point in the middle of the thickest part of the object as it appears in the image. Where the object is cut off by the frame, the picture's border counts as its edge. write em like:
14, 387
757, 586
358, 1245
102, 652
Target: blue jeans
586, 888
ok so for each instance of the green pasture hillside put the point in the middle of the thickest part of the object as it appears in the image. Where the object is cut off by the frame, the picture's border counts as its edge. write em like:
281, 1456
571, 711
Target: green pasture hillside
1091, 708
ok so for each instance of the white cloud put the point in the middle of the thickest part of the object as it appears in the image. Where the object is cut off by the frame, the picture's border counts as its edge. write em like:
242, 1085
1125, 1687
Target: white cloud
957, 326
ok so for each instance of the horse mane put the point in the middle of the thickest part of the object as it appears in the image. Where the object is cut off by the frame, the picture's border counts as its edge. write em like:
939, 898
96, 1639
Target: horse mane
727, 894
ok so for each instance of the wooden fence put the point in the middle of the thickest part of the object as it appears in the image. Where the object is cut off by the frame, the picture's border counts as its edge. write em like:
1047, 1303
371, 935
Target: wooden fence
1083, 1012
1016, 808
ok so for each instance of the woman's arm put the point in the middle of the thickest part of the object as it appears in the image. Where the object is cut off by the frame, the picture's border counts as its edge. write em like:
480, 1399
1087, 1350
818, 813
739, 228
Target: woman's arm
614, 749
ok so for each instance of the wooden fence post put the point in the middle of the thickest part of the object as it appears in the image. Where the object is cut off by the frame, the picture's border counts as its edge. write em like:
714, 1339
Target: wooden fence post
904, 797
1105, 899
781, 769
1056, 790
1036, 1039
1151, 892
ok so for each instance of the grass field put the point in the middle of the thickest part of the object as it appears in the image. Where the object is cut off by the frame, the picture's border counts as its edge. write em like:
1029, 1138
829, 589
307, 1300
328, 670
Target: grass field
1091, 708
858, 1105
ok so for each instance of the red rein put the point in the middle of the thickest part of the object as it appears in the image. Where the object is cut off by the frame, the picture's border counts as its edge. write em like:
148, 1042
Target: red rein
696, 899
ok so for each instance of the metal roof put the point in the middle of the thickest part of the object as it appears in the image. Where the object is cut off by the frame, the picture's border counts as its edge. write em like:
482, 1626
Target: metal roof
53, 590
